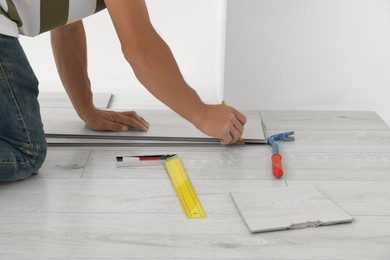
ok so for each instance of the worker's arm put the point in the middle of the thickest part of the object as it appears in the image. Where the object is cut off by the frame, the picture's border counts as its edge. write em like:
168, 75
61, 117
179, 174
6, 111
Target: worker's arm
70, 54
155, 67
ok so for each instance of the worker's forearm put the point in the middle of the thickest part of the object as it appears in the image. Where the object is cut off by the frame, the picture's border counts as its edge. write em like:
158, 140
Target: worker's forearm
70, 54
151, 58
158, 71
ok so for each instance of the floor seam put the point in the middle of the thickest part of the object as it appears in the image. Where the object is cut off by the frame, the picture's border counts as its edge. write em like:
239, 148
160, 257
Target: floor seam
85, 165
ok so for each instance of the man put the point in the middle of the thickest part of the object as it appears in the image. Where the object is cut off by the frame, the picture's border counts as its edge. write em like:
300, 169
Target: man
22, 140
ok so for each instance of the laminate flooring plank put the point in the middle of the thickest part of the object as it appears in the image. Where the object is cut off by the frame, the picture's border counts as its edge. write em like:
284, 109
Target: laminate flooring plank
164, 125
61, 100
200, 162
336, 166
356, 197
240, 162
323, 120
64, 164
336, 141
118, 196
172, 236
113, 213
309, 140
245, 162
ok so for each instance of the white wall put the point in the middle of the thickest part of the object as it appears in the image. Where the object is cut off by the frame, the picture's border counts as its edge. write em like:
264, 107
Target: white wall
280, 54
306, 54
194, 29
383, 105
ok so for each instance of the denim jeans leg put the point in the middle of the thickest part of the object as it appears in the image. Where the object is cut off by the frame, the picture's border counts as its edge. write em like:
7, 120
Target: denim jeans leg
22, 139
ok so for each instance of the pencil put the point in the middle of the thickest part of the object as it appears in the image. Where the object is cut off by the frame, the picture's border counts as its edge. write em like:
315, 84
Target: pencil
225, 104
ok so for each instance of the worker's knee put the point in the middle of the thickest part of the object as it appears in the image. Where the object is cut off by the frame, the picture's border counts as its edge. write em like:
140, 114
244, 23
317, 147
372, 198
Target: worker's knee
19, 164
37, 158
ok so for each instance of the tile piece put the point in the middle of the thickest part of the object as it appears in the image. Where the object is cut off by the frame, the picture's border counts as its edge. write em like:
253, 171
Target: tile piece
165, 125
61, 100
287, 208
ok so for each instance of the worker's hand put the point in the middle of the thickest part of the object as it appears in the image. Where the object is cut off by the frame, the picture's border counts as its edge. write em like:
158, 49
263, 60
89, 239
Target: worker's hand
222, 122
101, 120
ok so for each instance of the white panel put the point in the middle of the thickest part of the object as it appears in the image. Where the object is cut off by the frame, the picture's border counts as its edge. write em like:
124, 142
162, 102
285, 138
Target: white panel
287, 208
305, 54
61, 100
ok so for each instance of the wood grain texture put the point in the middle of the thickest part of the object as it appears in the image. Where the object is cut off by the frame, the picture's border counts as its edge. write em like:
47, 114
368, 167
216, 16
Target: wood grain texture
164, 125
64, 164
332, 141
157, 196
142, 196
157, 236
356, 197
234, 162
287, 208
246, 162
82, 207
323, 120
61, 100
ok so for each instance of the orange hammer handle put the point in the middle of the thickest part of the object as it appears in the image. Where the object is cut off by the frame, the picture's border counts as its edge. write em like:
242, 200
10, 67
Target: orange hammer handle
277, 168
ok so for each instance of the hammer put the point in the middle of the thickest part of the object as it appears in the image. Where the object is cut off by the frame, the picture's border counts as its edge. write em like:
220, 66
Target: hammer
277, 168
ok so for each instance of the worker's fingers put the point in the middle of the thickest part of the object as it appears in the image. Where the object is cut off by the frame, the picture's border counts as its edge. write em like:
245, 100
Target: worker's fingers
231, 135
227, 137
115, 127
222, 122
241, 117
136, 116
235, 134
103, 120
238, 125
133, 121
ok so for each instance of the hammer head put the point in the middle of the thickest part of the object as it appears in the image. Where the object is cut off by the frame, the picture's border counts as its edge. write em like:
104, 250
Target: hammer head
286, 137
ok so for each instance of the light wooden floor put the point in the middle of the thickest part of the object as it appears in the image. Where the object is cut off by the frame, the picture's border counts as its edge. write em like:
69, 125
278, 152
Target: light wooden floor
81, 206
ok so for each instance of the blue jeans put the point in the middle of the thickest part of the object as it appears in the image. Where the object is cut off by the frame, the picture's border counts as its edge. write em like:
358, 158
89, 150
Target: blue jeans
22, 139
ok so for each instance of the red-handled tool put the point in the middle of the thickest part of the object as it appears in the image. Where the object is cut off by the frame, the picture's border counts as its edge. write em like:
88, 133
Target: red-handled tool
277, 167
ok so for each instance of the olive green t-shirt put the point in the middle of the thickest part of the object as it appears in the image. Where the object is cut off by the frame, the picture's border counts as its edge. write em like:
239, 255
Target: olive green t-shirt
33, 17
